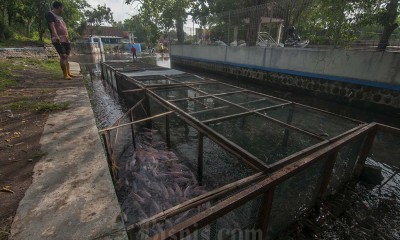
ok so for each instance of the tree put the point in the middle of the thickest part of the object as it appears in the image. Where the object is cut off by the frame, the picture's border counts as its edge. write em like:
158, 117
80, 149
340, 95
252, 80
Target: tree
97, 16
165, 14
388, 19
143, 29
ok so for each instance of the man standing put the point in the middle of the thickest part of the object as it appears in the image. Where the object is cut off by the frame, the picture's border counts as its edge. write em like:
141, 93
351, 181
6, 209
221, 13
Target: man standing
133, 50
59, 37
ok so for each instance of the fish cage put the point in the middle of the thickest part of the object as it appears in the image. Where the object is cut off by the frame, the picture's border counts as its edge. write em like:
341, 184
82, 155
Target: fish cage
194, 158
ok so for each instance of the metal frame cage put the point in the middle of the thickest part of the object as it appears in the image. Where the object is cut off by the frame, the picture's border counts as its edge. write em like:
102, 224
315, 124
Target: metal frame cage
259, 161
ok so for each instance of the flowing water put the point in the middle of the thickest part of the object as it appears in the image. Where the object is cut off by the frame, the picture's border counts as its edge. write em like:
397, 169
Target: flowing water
362, 211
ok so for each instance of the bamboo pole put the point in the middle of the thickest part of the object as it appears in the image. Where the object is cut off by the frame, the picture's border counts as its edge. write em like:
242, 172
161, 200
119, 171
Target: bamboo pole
138, 121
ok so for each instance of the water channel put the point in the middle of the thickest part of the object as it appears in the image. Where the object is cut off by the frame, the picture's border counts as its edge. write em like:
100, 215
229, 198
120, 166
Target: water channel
363, 211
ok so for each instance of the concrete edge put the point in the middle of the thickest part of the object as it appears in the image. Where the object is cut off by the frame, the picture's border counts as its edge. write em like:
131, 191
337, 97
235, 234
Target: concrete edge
72, 195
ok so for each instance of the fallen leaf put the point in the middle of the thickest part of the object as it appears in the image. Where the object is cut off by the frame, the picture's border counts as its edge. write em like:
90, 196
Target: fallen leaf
7, 189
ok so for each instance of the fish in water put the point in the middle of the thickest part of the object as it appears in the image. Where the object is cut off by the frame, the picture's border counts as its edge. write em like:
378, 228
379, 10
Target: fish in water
155, 205
132, 163
186, 193
134, 187
183, 180
138, 198
155, 187
171, 192
178, 190
164, 190
145, 193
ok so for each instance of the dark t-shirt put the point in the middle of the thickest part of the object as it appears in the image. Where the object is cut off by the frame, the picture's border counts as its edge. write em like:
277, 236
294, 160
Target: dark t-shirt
59, 25
50, 18
133, 50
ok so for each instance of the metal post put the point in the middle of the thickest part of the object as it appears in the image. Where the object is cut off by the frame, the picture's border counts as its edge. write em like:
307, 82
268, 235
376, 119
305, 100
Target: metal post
167, 131
265, 212
102, 71
105, 139
133, 131
286, 136
148, 113
368, 141
200, 159
229, 29
326, 176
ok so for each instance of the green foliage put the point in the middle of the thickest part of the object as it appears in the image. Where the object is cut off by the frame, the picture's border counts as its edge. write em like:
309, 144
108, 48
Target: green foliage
330, 20
96, 16
164, 14
7, 76
27, 17
144, 30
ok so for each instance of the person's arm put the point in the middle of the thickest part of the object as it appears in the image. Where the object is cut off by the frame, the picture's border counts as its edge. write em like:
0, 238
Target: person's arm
53, 32
54, 35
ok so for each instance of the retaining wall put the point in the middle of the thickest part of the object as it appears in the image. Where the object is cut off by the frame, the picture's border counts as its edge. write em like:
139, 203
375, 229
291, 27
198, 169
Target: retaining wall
367, 78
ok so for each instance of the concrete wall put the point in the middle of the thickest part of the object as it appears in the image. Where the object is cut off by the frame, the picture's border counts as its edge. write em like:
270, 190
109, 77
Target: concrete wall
364, 79
377, 68
85, 48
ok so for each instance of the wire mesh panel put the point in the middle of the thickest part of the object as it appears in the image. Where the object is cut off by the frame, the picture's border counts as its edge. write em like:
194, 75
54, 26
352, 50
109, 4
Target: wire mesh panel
251, 100
264, 139
168, 162
293, 197
317, 122
344, 165
207, 108
240, 223
178, 93
188, 78
216, 88
150, 82
124, 85
385, 148
221, 168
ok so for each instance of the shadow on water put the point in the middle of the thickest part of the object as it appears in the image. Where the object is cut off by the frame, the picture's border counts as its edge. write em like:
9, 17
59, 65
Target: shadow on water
361, 211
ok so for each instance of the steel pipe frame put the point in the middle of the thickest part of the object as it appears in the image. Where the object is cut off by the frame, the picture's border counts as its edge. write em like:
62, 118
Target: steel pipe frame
271, 119
299, 104
248, 112
232, 116
287, 160
135, 122
194, 202
329, 148
254, 163
204, 218
229, 146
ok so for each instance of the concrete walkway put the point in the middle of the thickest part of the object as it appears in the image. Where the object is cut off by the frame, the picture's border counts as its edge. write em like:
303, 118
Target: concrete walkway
72, 195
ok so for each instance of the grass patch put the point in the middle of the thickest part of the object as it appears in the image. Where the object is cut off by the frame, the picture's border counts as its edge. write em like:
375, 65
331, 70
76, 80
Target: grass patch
37, 106
7, 77
9, 69
49, 65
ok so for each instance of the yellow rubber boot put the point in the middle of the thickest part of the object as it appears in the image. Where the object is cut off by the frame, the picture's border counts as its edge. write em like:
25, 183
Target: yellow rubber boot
69, 72
66, 75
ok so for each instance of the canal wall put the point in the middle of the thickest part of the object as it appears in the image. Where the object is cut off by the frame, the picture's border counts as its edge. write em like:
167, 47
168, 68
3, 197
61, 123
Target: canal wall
364, 78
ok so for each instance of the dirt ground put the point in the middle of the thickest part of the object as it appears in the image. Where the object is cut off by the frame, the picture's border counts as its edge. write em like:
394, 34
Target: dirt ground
25, 103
